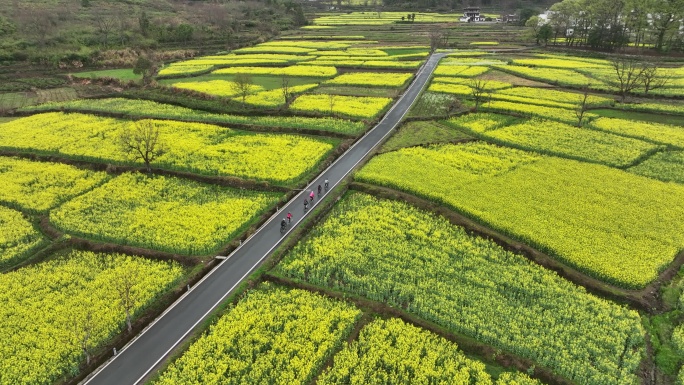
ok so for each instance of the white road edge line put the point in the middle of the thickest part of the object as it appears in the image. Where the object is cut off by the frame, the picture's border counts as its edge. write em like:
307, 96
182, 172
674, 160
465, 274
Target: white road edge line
176, 302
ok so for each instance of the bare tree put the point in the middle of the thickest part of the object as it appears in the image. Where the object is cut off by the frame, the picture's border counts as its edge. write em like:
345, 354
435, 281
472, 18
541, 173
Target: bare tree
37, 22
652, 78
242, 85
142, 141
123, 25
452, 106
105, 25
478, 89
124, 282
436, 39
629, 75
331, 102
82, 324
286, 89
582, 106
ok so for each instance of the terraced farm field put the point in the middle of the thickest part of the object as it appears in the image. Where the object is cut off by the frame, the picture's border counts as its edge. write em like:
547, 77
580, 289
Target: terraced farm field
71, 301
162, 213
603, 221
428, 267
195, 147
568, 269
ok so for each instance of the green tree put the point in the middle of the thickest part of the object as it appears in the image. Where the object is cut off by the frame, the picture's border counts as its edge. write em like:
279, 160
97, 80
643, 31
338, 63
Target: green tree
526, 13
666, 16
534, 24
243, 86
146, 67
544, 34
144, 23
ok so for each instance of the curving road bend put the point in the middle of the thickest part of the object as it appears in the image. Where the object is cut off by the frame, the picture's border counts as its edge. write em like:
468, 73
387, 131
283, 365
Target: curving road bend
142, 355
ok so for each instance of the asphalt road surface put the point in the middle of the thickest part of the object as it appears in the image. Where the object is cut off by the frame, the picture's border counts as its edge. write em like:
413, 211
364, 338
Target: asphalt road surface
141, 356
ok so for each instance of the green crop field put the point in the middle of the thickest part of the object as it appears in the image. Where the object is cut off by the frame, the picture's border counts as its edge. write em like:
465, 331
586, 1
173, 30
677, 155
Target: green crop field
522, 224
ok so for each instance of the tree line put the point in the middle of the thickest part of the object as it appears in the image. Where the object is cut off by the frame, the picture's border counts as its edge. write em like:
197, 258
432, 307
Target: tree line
613, 24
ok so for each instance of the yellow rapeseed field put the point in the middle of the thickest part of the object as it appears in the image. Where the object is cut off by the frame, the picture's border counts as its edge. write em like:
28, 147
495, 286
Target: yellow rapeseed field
613, 225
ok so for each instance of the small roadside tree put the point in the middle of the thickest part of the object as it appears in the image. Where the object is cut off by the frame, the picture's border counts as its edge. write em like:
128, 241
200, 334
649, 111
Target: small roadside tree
478, 90
331, 102
435, 39
142, 141
124, 281
286, 89
82, 324
242, 85
582, 106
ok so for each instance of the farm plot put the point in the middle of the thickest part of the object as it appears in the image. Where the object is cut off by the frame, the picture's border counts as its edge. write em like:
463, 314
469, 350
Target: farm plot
562, 77
574, 99
431, 104
393, 352
460, 71
276, 97
52, 310
39, 186
654, 132
613, 225
162, 213
553, 138
670, 108
391, 252
315, 71
275, 50
18, 237
489, 85
562, 63
564, 115
223, 88
418, 133
273, 335
365, 64
480, 122
363, 107
148, 108
182, 69
372, 18
370, 79
667, 166
195, 147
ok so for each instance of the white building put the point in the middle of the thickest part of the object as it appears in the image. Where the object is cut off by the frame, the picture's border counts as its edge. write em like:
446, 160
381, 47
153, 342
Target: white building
471, 14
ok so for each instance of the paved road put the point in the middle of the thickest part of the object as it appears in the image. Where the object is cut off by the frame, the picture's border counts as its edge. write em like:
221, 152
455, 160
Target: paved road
141, 356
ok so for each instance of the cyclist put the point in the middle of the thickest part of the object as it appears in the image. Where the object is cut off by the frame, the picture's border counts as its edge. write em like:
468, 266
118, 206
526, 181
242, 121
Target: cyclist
319, 189
311, 196
283, 225
326, 184
289, 217
306, 204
